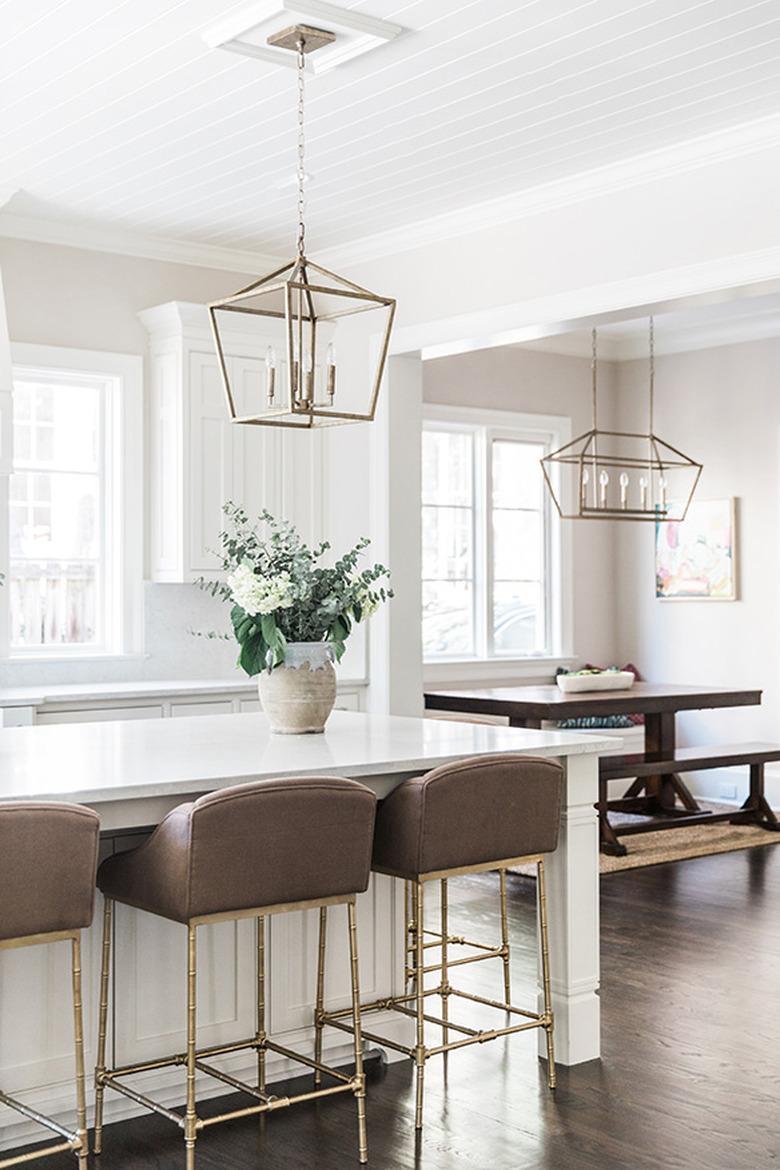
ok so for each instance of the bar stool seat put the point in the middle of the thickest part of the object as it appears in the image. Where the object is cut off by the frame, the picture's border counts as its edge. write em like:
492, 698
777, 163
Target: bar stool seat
485, 813
48, 858
248, 851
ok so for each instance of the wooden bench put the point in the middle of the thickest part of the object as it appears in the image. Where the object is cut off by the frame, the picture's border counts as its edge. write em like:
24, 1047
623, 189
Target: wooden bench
646, 768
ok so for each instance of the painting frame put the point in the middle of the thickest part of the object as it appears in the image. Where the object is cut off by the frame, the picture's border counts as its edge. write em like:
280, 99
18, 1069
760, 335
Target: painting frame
706, 552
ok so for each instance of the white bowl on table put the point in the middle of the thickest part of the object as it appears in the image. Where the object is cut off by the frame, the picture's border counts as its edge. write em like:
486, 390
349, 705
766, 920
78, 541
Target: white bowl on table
608, 680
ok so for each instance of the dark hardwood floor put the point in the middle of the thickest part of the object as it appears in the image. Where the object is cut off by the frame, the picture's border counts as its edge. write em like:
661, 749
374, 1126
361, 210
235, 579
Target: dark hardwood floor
690, 1075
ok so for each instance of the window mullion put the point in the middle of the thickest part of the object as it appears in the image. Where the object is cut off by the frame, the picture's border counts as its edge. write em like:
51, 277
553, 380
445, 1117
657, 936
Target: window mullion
490, 648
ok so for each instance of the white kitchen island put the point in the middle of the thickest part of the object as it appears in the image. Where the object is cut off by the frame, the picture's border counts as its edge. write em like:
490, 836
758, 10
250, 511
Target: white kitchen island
132, 773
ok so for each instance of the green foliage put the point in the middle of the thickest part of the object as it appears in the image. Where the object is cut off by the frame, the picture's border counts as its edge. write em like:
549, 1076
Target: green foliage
280, 591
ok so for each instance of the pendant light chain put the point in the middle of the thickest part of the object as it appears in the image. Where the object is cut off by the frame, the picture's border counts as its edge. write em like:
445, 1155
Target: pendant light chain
652, 372
301, 173
593, 373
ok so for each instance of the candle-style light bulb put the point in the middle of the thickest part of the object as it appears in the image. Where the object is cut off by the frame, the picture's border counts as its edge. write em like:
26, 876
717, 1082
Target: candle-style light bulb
584, 481
330, 362
308, 376
662, 489
270, 374
604, 482
623, 489
643, 492
296, 386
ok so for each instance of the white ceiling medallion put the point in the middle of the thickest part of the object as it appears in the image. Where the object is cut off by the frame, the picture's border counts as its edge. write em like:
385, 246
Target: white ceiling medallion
248, 31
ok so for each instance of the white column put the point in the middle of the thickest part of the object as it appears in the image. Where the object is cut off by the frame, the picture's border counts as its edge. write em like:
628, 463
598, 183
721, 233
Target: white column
396, 682
573, 908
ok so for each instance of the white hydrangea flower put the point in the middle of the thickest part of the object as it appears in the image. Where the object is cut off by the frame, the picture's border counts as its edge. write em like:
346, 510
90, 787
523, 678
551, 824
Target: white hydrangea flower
258, 595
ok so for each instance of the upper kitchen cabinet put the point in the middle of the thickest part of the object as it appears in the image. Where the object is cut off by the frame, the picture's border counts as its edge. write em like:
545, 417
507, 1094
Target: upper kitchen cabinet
199, 459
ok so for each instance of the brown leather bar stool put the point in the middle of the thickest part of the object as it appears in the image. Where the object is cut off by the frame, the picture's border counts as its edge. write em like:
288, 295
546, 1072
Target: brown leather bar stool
48, 858
245, 852
486, 813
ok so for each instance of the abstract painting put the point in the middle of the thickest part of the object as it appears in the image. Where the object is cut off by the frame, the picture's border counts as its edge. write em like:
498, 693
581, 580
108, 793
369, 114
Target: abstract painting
695, 557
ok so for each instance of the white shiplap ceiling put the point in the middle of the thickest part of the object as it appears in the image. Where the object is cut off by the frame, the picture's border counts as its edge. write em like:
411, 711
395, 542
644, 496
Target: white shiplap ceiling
115, 113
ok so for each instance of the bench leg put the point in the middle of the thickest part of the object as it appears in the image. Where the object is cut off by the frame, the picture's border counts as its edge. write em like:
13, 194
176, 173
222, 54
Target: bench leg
757, 803
608, 842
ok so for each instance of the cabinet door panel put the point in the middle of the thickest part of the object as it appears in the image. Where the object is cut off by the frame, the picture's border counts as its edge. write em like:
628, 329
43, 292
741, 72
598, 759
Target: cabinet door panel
205, 707
258, 455
99, 714
212, 462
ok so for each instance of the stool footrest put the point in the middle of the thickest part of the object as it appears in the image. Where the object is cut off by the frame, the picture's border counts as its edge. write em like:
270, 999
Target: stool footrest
71, 1143
111, 1079
397, 1003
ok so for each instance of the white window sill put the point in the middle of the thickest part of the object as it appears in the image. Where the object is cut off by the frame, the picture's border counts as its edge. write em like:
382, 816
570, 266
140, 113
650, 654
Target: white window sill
440, 672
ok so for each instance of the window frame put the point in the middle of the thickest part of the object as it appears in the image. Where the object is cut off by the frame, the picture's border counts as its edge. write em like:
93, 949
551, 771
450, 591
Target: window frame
486, 426
120, 468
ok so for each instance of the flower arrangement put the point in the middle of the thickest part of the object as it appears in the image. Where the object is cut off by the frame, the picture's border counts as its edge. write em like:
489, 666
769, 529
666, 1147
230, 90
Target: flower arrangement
280, 592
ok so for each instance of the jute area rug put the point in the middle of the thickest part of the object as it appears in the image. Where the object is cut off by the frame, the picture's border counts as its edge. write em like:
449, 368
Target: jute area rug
680, 844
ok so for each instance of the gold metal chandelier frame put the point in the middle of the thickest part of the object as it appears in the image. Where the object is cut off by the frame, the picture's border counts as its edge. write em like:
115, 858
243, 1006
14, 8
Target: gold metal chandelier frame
592, 457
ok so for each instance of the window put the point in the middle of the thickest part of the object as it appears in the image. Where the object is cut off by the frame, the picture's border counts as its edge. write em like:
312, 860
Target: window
490, 543
74, 524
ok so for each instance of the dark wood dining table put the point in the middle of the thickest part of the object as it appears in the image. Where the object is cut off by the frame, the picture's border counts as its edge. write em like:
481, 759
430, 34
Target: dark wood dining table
664, 795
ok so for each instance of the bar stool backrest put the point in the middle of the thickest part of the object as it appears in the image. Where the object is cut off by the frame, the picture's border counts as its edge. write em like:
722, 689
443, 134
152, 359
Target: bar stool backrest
48, 858
267, 843
487, 808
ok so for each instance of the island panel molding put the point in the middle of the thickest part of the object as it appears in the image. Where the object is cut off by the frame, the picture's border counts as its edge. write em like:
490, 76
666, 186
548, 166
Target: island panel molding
133, 773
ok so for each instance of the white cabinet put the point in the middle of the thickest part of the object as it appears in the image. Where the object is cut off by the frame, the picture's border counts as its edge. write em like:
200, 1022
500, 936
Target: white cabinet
198, 458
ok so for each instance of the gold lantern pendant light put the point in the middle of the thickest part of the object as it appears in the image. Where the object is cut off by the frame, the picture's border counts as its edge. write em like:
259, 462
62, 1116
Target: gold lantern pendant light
621, 475
320, 341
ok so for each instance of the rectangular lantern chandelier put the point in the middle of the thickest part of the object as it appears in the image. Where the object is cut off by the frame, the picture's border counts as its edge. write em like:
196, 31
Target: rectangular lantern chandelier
320, 340
621, 475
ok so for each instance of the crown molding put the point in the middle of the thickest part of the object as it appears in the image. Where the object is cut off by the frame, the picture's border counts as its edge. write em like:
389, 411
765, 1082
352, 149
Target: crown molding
6, 194
95, 238
666, 162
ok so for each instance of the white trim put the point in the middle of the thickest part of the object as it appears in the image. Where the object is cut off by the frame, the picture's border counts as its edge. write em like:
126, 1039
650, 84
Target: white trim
6, 194
95, 237
444, 673
276, 15
123, 473
554, 431
673, 338
652, 166
710, 282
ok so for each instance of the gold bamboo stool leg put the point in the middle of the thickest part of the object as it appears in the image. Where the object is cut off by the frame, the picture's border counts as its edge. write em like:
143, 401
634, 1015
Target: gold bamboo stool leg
105, 970
261, 1033
190, 1118
505, 938
445, 981
548, 1012
320, 1000
78, 1031
419, 984
360, 1076
408, 935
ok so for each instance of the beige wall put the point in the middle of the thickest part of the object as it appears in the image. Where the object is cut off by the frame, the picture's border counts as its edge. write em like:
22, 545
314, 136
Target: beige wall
89, 300
720, 406
528, 381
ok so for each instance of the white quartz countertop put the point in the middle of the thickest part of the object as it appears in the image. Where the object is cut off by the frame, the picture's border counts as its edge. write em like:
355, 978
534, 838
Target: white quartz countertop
120, 761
